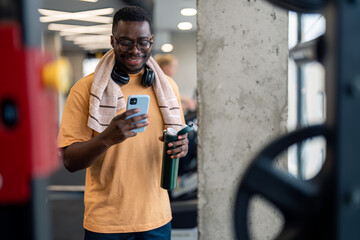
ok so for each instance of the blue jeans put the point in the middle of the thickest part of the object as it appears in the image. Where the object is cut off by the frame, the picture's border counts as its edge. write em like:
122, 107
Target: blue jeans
161, 233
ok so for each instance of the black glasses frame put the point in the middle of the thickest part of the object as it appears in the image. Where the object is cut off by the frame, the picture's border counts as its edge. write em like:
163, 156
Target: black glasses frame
131, 44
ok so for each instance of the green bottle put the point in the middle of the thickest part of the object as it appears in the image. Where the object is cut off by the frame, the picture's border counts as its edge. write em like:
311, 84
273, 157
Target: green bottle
170, 167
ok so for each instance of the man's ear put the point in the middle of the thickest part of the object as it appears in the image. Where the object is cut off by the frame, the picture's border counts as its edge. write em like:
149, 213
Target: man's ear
112, 41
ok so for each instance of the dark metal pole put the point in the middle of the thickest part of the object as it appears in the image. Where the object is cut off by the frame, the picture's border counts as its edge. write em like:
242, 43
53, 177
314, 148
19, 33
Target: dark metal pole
300, 104
343, 116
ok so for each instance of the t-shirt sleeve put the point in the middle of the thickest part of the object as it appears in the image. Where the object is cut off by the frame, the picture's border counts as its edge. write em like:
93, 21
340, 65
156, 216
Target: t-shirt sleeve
73, 127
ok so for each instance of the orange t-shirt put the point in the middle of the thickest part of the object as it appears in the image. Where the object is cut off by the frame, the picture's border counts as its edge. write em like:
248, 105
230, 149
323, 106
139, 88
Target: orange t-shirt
122, 190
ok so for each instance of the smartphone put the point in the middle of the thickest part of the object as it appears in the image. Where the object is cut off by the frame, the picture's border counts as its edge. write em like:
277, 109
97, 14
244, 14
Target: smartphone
142, 103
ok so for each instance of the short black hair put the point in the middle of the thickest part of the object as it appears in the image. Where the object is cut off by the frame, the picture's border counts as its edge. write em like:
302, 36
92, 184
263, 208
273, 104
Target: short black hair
130, 13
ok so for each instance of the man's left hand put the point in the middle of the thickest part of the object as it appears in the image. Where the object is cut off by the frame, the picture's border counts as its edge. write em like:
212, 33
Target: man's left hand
181, 146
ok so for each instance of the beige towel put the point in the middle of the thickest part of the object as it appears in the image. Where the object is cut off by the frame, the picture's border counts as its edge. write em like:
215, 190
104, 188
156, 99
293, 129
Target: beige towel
106, 97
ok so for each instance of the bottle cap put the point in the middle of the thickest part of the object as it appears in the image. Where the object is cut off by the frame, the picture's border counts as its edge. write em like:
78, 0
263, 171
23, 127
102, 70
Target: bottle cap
186, 129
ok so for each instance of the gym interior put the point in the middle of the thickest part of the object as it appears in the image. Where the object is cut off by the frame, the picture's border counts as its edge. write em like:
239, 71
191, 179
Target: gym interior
276, 85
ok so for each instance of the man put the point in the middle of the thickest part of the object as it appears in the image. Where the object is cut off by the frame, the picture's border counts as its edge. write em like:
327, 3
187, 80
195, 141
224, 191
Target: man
123, 198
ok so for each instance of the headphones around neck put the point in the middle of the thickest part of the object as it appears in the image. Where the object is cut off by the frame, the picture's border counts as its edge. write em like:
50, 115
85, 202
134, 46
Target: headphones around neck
123, 78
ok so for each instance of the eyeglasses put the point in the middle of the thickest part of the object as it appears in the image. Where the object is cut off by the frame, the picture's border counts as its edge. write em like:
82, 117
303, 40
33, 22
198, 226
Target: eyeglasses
126, 45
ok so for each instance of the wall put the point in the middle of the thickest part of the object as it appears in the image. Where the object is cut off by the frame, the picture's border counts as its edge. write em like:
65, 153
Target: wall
185, 52
76, 59
242, 54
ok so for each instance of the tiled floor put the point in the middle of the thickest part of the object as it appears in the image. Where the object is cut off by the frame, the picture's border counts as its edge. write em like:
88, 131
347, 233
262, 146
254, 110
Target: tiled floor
184, 234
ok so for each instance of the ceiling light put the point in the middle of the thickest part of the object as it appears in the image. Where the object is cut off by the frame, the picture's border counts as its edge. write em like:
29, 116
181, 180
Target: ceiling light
89, 0
87, 29
87, 18
188, 11
60, 27
71, 38
68, 29
49, 12
90, 42
90, 16
103, 11
83, 39
184, 26
167, 47
95, 46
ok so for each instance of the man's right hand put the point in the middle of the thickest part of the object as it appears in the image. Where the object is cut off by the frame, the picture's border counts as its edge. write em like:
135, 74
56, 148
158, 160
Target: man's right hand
120, 127
80, 155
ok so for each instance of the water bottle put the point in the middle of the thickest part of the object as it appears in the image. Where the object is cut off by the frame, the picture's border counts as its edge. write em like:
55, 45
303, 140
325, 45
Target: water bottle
170, 167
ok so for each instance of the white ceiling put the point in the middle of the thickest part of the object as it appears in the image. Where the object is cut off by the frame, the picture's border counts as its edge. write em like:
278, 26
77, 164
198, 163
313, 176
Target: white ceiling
166, 16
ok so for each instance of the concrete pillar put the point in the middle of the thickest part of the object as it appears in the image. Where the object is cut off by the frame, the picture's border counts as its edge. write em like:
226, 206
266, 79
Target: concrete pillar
242, 49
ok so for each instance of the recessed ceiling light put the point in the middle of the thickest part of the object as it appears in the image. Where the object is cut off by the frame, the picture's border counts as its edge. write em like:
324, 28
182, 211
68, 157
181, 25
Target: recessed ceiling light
185, 26
167, 47
89, 0
188, 11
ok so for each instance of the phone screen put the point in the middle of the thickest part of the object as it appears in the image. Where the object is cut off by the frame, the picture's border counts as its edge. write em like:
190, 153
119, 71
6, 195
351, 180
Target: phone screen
142, 103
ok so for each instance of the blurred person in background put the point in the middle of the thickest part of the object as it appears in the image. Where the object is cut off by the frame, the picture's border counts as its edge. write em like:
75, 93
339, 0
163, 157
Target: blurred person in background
169, 64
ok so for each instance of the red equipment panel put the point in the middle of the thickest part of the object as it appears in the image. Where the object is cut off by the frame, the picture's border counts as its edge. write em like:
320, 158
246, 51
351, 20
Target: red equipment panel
28, 118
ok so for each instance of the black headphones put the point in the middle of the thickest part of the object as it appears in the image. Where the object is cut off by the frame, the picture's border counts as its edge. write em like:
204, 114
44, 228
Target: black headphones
123, 78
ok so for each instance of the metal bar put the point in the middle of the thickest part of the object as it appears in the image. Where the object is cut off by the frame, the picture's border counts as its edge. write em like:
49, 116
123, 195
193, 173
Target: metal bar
40, 215
308, 51
343, 118
65, 192
300, 108
30, 22
65, 188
